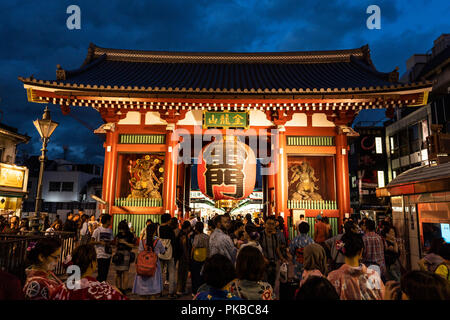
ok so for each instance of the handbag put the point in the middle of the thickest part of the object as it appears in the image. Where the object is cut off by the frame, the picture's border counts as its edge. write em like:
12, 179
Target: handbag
200, 254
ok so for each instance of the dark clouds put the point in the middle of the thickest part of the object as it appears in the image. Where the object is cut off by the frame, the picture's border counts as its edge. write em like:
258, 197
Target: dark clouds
35, 39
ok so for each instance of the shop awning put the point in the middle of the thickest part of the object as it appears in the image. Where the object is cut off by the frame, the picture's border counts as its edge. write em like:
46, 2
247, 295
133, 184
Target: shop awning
422, 179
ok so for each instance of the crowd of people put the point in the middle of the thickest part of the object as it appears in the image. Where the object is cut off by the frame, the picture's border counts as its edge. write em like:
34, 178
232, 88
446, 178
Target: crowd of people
234, 259
78, 223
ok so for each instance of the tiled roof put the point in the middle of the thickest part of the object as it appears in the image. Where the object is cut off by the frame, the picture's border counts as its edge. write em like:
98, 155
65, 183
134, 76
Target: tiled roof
285, 72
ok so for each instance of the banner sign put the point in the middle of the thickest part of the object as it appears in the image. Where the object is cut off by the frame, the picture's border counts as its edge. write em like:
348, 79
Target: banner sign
225, 119
11, 176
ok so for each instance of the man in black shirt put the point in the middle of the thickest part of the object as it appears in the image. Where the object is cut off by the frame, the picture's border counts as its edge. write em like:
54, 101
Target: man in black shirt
167, 237
70, 225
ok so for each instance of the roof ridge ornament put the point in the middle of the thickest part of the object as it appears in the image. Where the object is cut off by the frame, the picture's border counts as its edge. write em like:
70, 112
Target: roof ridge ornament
394, 75
60, 73
318, 56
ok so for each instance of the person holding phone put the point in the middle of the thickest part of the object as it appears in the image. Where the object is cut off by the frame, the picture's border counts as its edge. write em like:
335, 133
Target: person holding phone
124, 256
102, 238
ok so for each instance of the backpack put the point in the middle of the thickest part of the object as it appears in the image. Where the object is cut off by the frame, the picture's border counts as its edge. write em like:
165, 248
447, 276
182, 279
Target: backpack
146, 263
167, 243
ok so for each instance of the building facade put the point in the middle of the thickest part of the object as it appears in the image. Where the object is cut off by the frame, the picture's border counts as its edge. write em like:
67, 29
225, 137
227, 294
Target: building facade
66, 187
406, 135
368, 168
418, 149
13, 178
290, 110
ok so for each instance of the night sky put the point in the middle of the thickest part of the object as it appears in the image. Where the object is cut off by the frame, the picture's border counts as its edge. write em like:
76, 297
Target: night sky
35, 39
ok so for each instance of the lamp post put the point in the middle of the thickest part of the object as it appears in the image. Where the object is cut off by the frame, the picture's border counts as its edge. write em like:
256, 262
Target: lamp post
45, 127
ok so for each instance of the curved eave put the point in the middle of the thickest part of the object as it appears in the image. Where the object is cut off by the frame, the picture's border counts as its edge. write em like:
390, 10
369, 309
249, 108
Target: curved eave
424, 85
415, 187
16, 136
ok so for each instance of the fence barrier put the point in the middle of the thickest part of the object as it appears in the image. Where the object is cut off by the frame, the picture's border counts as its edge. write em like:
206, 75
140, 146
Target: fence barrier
13, 251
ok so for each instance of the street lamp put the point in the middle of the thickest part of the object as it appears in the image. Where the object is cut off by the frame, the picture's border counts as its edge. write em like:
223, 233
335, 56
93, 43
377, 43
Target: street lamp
45, 127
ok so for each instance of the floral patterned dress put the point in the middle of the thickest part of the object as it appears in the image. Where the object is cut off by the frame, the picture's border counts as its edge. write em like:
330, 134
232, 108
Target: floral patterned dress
296, 248
216, 294
252, 290
89, 289
357, 283
40, 285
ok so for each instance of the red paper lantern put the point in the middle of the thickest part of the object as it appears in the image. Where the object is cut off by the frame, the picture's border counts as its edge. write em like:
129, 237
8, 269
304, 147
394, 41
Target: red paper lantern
226, 170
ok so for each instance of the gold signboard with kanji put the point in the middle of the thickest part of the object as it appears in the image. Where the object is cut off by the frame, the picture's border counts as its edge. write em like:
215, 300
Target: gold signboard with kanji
11, 176
225, 119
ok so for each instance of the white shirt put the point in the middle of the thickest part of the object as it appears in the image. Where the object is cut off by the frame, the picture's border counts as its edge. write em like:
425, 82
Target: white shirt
102, 234
84, 228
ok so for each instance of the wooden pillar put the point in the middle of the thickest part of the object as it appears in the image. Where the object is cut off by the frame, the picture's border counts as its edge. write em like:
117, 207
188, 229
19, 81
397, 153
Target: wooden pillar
342, 176
281, 175
271, 189
106, 173
170, 168
179, 194
109, 169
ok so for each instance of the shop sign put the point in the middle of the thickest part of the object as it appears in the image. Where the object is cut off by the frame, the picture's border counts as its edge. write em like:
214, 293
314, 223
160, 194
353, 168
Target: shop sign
11, 176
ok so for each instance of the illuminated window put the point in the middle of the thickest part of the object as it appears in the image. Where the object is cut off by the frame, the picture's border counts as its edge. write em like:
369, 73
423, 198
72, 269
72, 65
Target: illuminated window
378, 145
394, 174
380, 179
424, 154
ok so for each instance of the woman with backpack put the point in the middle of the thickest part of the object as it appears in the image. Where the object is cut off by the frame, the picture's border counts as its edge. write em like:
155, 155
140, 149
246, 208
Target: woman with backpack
148, 280
199, 254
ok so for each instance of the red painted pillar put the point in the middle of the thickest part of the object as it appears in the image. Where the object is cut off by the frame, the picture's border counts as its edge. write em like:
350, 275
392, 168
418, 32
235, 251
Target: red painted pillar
106, 168
281, 184
109, 169
112, 171
271, 187
170, 168
342, 177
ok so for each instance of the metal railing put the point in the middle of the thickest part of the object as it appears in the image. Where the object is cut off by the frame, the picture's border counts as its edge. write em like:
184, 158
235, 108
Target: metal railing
13, 251
312, 204
139, 202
